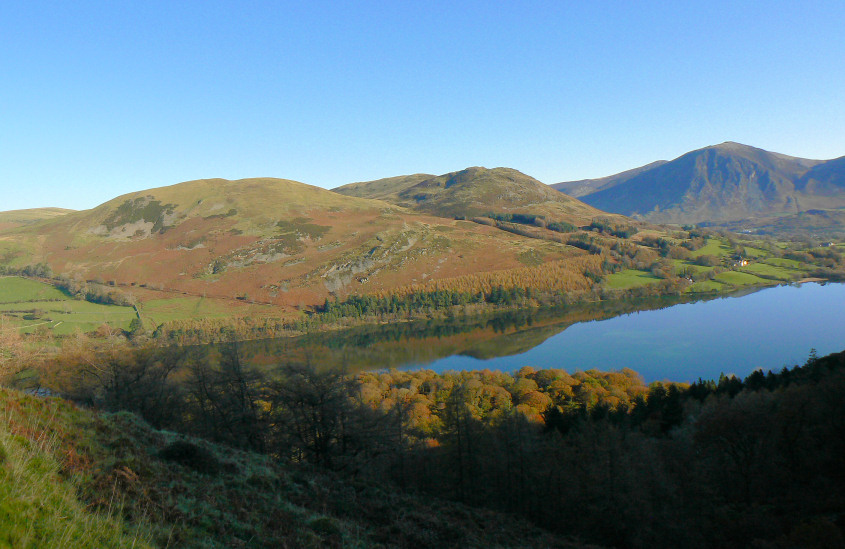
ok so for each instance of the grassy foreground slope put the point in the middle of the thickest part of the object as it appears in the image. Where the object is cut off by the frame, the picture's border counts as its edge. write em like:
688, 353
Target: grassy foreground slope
73, 478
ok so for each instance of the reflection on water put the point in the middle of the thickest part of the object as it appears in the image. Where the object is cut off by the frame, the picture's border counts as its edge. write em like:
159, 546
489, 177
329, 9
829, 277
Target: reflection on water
418, 343
662, 338
767, 329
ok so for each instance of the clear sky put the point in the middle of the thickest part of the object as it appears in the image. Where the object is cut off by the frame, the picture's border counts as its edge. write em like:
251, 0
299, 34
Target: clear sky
102, 98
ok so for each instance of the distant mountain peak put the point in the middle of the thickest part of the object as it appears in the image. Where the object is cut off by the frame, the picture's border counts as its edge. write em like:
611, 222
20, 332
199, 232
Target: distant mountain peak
732, 146
723, 182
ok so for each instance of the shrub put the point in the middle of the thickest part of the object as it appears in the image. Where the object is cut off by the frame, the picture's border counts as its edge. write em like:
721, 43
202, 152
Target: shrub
190, 455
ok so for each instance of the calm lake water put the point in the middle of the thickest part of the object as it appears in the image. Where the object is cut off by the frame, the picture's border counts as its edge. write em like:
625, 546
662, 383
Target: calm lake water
661, 338
765, 329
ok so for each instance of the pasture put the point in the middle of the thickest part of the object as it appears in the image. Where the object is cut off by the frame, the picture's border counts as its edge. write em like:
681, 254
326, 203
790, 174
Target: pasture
32, 305
629, 278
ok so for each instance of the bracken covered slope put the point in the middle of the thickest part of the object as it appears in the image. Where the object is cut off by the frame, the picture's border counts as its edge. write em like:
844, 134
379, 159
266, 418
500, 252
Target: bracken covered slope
276, 241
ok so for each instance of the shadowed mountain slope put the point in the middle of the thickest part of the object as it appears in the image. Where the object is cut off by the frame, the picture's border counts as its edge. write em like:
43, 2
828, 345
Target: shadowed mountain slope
724, 182
584, 187
824, 180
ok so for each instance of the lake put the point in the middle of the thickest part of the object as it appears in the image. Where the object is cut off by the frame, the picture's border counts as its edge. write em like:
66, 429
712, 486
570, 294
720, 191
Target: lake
768, 329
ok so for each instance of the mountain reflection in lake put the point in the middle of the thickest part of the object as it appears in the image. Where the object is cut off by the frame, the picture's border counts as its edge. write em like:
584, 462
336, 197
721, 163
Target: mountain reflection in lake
662, 338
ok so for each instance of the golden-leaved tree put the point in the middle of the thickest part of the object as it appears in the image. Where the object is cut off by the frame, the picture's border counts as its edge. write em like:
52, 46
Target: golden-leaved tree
15, 354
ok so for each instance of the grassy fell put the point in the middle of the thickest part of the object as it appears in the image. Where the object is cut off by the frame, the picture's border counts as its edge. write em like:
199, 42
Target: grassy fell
386, 189
266, 241
16, 218
476, 191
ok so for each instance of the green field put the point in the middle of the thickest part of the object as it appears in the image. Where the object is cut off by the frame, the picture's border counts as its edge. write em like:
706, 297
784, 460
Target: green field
788, 263
706, 286
681, 264
33, 305
773, 271
14, 289
714, 246
629, 278
737, 278
157, 311
756, 252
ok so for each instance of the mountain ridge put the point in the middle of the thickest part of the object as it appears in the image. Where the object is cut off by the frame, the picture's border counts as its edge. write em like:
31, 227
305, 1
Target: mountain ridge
272, 241
725, 182
584, 187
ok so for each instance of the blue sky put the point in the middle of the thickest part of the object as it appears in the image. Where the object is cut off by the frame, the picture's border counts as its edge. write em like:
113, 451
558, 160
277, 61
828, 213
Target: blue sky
103, 98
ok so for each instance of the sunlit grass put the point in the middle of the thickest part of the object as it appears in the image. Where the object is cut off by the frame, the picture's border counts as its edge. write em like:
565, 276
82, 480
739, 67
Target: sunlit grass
629, 278
38, 507
180, 308
706, 286
739, 278
773, 271
14, 289
714, 246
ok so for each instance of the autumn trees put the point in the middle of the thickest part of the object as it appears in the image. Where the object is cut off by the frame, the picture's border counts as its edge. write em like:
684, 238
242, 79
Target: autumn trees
727, 463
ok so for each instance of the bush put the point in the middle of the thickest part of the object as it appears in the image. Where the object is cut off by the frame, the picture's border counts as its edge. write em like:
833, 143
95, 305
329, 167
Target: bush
708, 261
192, 456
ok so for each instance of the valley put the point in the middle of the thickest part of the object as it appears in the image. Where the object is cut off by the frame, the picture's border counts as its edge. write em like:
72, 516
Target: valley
238, 350
412, 275
270, 254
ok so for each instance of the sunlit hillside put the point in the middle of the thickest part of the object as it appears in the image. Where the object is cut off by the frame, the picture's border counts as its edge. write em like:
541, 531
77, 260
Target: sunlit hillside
276, 242
476, 191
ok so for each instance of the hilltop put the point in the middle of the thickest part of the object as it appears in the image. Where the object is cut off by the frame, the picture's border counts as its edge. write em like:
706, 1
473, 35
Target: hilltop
386, 189
726, 182
476, 191
16, 218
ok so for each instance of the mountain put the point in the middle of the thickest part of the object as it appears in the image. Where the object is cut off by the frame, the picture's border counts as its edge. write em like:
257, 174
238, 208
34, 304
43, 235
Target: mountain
721, 183
251, 206
584, 187
275, 242
477, 191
